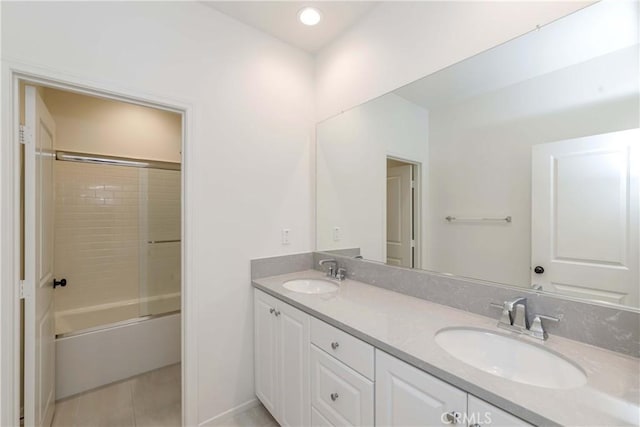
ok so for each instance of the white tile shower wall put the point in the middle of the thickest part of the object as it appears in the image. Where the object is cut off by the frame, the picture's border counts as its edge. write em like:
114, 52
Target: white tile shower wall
96, 234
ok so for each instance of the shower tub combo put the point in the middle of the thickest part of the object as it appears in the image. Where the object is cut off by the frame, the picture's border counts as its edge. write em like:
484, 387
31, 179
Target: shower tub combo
118, 244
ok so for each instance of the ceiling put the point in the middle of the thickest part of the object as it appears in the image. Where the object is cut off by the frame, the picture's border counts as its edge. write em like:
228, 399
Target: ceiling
280, 19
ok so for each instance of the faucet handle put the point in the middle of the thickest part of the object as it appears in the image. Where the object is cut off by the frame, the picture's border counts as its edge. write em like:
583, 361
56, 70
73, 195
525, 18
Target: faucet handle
505, 318
537, 330
341, 273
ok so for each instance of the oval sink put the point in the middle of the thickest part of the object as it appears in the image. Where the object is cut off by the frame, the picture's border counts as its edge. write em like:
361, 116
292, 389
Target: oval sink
310, 286
510, 358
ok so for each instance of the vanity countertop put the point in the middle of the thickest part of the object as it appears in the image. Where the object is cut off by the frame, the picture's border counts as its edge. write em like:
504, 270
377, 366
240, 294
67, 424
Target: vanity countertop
405, 327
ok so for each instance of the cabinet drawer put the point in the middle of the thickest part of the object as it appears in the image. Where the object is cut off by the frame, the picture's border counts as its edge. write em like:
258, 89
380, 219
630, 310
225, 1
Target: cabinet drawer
341, 395
483, 413
356, 353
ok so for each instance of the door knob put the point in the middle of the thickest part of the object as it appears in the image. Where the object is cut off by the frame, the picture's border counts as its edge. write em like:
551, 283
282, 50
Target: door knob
538, 269
61, 282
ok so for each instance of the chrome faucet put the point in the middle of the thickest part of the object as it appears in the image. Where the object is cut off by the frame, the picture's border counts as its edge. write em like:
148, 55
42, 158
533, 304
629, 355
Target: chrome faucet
333, 271
514, 318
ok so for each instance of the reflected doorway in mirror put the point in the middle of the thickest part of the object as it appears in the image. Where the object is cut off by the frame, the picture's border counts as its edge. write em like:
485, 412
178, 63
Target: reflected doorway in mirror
403, 213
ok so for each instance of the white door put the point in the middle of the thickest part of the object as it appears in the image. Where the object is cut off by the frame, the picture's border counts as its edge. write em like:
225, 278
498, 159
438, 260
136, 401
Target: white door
293, 358
265, 350
407, 396
585, 219
39, 333
399, 216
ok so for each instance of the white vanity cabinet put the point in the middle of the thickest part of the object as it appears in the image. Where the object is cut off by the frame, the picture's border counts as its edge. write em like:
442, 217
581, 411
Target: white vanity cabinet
482, 414
407, 396
309, 373
282, 360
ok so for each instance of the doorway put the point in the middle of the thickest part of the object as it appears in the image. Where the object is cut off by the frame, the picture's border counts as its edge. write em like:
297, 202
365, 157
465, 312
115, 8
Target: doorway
403, 213
102, 253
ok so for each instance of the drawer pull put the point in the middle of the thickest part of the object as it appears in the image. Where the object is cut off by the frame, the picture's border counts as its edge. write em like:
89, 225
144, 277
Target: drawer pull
277, 313
334, 396
335, 345
271, 310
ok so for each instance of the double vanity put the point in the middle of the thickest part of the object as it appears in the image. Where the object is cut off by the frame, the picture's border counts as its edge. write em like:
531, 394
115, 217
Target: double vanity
342, 352
480, 227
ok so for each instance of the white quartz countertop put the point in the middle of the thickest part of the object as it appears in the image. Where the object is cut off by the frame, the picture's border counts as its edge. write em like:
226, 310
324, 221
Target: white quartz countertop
405, 327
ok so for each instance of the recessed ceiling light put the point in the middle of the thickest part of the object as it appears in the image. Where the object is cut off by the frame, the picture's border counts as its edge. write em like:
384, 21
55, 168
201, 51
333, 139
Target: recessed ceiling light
309, 16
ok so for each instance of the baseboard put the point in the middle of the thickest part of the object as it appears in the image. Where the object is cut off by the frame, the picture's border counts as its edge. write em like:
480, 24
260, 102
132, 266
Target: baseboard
219, 419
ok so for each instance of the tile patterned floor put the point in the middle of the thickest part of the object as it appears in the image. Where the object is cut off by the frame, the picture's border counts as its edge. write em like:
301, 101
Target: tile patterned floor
150, 399
254, 417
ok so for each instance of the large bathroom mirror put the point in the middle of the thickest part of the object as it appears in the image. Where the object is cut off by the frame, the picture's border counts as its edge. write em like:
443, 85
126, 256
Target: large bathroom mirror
519, 165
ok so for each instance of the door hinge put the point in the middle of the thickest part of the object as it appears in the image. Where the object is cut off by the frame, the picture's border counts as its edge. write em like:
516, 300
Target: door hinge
413, 184
21, 289
25, 134
413, 243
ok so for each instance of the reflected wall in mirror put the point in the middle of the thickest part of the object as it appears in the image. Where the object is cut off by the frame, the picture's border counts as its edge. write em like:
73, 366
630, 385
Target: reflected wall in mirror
519, 165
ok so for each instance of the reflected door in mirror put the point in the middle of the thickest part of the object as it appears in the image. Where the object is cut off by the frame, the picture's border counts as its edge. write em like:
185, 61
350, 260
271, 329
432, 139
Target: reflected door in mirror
399, 214
585, 217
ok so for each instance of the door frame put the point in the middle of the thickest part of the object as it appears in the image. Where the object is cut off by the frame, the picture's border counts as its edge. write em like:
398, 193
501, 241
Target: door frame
10, 244
417, 208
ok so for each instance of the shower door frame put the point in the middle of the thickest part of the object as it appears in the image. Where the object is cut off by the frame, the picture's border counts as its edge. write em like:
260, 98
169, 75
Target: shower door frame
10, 218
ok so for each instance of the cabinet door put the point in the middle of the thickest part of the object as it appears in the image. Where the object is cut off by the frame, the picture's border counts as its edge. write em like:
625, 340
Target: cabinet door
293, 360
407, 396
265, 349
481, 413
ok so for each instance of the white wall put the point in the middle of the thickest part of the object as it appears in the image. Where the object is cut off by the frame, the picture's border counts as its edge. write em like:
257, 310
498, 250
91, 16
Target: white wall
351, 170
399, 42
247, 164
102, 126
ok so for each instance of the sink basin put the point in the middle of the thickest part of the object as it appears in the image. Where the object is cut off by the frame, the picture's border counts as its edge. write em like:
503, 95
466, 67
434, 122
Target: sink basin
510, 358
310, 286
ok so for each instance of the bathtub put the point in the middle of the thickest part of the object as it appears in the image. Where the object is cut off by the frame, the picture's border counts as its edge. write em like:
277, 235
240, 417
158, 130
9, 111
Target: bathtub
102, 344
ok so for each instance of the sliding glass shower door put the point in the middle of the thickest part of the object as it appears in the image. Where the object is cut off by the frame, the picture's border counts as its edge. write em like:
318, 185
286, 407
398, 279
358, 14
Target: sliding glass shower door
117, 240
160, 243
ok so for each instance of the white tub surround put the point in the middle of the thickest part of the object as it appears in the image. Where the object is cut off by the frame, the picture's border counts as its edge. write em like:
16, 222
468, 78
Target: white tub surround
405, 327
